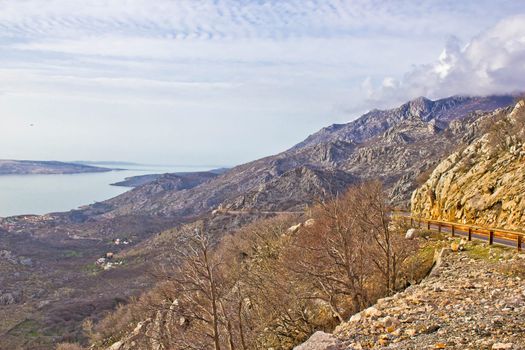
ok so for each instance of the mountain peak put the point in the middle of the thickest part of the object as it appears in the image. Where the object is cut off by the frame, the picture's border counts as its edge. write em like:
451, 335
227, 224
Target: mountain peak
376, 121
419, 106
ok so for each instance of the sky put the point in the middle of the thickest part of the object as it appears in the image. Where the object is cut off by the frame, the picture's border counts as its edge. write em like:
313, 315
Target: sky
222, 82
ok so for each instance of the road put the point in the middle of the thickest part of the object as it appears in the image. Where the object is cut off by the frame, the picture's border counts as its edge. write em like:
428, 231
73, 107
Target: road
464, 233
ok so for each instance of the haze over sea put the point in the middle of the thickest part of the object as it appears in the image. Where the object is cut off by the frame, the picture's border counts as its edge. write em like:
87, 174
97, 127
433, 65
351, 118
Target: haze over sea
42, 194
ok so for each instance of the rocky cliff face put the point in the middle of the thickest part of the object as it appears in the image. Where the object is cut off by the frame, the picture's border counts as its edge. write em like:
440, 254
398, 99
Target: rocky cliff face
484, 183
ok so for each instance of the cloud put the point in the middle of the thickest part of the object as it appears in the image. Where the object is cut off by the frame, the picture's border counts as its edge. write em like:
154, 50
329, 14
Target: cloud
493, 62
229, 69
219, 19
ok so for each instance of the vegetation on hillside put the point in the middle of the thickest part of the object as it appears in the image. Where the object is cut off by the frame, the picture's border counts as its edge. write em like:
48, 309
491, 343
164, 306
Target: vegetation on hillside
271, 284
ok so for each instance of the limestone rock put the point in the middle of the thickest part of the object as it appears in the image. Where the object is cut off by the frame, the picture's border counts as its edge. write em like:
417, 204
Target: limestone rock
294, 228
465, 304
411, 233
484, 183
372, 312
320, 341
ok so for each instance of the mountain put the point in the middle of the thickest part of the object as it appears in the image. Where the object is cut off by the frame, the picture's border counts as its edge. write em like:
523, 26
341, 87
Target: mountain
24, 167
51, 261
482, 183
376, 122
395, 145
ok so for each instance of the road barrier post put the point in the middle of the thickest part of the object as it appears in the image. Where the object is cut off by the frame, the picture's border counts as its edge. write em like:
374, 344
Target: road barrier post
428, 225
453, 231
491, 237
470, 233
519, 243
439, 227
411, 222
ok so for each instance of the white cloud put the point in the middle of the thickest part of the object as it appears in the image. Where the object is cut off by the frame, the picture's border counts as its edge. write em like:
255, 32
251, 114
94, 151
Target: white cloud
493, 62
233, 72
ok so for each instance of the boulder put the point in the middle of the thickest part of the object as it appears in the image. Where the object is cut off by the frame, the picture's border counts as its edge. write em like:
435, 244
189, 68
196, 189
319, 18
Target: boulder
26, 261
389, 321
309, 223
356, 318
502, 346
294, 228
321, 341
116, 346
372, 312
411, 233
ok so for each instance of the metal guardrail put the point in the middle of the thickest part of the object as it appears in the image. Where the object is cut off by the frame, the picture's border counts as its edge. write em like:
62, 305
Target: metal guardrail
492, 235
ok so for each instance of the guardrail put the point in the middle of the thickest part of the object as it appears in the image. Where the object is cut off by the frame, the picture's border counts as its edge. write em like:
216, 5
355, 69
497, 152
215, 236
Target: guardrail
492, 235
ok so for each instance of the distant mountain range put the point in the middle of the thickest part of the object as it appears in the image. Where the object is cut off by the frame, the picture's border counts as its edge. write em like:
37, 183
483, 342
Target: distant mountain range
23, 167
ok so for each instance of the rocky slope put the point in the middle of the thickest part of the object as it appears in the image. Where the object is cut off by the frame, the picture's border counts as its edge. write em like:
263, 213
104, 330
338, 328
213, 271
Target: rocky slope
394, 145
474, 300
482, 183
23, 167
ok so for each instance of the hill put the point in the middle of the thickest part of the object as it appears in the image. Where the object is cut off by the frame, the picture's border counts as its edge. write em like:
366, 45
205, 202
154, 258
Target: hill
394, 145
24, 167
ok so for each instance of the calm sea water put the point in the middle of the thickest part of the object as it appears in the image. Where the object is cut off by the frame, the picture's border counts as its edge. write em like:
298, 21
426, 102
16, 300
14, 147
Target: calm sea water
42, 194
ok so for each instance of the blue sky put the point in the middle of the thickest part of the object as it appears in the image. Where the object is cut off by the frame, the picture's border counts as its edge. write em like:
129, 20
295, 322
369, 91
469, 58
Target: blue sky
223, 82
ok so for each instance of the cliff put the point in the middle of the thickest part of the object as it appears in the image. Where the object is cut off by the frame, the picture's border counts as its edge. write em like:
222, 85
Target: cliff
484, 183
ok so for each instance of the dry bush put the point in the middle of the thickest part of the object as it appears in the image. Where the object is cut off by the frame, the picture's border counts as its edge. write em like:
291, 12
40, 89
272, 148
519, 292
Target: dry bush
267, 299
424, 176
353, 254
515, 268
266, 286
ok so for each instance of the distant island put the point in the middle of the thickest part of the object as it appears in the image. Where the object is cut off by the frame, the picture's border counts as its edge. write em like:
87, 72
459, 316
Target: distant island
105, 163
26, 167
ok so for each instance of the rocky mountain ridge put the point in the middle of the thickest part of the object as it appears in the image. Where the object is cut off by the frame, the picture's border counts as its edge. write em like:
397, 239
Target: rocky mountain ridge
393, 145
482, 183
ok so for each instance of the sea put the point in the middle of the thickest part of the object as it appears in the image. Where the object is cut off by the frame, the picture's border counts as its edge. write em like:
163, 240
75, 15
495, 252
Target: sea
42, 194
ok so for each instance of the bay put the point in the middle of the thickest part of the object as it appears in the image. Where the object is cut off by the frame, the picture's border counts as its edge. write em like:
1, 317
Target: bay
42, 194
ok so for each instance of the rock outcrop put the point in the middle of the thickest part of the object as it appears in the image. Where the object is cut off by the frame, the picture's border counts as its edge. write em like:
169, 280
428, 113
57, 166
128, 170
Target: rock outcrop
481, 184
474, 300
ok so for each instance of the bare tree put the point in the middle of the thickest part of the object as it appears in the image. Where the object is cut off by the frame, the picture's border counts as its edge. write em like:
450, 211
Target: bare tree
331, 254
196, 282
